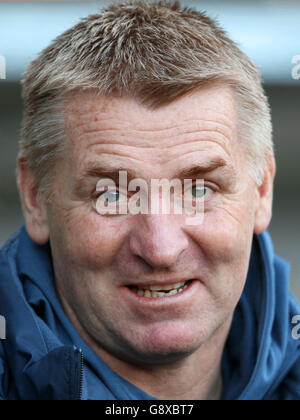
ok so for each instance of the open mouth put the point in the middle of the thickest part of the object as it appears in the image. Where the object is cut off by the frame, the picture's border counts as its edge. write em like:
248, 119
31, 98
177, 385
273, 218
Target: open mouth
159, 291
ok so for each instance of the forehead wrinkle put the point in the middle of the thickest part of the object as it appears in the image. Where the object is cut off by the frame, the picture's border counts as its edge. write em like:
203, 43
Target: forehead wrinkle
108, 145
87, 126
160, 129
166, 133
144, 144
164, 154
197, 152
118, 155
223, 146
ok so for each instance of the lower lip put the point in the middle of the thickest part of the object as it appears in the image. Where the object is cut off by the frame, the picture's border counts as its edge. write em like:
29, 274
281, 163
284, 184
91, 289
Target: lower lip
185, 294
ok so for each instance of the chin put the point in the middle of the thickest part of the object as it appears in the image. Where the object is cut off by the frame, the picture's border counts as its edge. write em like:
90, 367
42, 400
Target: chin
161, 346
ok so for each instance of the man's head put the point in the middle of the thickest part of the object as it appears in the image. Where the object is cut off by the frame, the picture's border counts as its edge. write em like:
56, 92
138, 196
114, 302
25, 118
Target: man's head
156, 91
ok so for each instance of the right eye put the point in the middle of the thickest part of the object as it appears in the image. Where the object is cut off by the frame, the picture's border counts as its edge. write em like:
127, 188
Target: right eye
110, 202
110, 196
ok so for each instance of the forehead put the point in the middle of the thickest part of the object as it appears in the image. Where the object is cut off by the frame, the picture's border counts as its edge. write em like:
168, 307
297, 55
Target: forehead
203, 119
89, 108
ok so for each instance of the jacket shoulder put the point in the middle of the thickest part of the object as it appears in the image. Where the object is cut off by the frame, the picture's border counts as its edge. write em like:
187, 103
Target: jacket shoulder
7, 267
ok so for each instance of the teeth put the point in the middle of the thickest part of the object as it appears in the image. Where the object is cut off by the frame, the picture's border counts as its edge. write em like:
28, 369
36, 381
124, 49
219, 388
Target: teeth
148, 294
155, 292
167, 287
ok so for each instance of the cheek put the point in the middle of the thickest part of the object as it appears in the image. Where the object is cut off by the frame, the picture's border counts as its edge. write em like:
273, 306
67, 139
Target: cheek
225, 240
224, 237
89, 240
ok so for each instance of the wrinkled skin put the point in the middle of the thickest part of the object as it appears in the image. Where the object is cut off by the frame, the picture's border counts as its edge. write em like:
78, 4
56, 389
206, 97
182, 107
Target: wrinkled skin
95, 257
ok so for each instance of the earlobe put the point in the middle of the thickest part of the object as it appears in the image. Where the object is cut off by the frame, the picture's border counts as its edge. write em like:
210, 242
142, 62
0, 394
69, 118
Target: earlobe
33, 206
263, 213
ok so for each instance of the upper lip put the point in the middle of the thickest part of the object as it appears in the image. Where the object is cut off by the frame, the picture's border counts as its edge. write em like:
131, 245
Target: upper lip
160, 283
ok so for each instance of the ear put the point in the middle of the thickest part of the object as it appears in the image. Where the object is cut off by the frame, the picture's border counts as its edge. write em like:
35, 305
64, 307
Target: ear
33, 206
263, 213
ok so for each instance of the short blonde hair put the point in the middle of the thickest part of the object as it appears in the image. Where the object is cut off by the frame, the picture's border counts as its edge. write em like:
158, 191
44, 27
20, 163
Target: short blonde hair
155, 52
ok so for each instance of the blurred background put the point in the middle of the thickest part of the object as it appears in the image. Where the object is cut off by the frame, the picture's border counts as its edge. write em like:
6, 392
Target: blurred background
268, 31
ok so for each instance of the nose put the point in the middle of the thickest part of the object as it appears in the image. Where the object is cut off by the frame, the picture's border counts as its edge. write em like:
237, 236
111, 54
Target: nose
158, 240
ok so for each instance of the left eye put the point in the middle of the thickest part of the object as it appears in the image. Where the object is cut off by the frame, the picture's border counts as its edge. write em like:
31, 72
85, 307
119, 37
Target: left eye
201, 192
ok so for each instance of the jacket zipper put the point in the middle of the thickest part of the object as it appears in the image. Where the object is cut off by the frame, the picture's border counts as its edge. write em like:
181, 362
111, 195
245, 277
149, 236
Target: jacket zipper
79, 393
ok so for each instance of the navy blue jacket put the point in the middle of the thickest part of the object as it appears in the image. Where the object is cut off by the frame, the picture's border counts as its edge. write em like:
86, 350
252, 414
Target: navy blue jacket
44, 358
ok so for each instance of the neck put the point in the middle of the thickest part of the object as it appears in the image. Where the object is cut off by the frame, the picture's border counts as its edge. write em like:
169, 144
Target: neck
186, 380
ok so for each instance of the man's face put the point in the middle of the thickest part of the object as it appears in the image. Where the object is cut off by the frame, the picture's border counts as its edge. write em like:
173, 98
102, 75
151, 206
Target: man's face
99, 259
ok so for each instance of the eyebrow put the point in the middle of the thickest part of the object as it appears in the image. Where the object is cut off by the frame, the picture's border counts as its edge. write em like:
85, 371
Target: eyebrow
96, 170
204, 168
